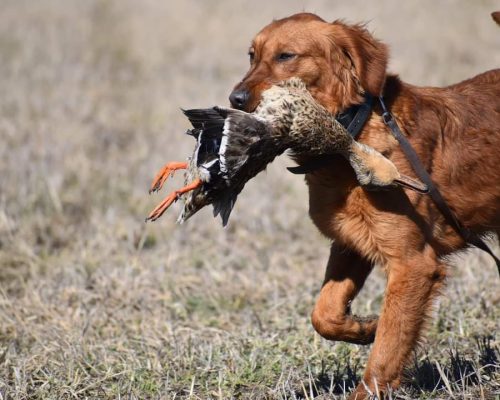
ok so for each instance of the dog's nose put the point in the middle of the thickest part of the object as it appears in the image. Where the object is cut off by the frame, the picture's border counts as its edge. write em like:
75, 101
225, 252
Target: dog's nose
239, 98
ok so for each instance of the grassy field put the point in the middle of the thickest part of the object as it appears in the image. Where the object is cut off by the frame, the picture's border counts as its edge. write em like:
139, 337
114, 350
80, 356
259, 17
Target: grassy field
94, 303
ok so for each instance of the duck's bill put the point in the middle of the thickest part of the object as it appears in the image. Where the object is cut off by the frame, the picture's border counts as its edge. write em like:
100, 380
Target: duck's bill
410, 183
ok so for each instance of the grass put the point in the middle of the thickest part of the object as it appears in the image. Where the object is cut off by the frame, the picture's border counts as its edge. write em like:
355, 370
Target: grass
96, 304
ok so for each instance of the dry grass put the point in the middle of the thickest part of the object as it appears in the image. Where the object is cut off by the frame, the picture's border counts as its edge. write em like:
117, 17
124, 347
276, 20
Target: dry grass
96, 304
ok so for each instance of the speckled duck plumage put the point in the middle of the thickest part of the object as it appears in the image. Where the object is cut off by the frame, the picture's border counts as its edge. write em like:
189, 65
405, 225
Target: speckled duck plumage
233, 146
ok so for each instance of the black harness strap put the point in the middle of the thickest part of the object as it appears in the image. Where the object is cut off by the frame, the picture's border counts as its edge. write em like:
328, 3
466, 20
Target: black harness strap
354, 118
468, 235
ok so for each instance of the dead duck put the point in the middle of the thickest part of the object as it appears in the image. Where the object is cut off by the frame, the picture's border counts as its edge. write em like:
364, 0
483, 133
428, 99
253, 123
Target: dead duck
233, 146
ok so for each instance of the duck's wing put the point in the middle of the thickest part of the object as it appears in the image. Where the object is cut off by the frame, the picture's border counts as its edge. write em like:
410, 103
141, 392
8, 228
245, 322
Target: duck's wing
247, 147
230, 134
204, 120
232, 147
242, 136
208, 125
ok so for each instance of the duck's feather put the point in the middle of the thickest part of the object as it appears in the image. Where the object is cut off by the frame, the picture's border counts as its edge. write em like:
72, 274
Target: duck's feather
207, 129
232, 147
223, 205
242, 140
204, 118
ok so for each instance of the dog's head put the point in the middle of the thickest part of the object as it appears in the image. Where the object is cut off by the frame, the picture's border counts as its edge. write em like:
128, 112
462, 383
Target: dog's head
338, 62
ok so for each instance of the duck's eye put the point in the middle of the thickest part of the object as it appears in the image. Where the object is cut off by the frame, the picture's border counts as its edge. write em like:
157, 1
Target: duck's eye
251, 55
285, 57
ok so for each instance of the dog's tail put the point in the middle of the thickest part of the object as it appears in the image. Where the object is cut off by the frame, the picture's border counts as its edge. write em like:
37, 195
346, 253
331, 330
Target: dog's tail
496, 17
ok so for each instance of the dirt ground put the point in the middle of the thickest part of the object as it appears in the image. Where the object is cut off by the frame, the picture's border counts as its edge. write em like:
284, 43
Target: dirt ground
94, 303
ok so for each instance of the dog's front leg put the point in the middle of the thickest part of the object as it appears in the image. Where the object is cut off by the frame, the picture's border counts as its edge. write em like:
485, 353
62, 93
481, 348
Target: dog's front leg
345, 275
412, 285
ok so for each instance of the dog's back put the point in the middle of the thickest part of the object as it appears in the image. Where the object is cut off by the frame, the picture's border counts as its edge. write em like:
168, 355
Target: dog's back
470, 124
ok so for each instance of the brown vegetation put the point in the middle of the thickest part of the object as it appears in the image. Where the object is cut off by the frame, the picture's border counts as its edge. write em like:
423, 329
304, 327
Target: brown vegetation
96, 304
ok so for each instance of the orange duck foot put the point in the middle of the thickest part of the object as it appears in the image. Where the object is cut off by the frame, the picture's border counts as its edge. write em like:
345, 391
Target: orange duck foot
167, 201
167, 170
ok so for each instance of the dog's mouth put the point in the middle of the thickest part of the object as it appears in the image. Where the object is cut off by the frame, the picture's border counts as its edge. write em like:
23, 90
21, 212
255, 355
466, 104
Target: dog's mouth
254, 103
246, 97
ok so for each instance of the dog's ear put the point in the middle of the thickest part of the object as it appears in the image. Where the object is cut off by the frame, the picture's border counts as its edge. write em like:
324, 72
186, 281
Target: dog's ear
368, 55
496, 17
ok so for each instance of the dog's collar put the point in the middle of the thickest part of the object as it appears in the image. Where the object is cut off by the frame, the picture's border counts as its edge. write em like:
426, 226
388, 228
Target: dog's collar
353, 119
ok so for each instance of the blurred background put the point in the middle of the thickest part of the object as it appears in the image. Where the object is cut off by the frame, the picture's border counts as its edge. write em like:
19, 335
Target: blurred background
94, 303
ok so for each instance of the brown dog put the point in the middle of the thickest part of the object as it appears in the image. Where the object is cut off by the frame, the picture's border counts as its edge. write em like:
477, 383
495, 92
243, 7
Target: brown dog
456, 132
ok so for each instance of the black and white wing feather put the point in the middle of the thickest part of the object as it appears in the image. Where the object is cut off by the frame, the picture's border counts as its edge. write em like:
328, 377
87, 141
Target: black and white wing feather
207, 129
240, 143
232, 147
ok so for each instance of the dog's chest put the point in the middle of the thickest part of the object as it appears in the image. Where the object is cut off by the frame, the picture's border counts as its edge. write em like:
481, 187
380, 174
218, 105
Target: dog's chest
349, 217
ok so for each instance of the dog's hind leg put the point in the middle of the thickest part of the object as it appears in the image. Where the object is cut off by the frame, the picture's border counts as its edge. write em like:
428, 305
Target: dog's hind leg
345, 275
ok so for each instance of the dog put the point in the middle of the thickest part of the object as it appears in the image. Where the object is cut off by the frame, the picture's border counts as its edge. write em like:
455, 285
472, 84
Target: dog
456, 133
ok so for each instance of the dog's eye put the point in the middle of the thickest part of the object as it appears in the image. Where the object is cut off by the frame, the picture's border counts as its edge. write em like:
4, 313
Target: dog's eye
285, 57
251, 55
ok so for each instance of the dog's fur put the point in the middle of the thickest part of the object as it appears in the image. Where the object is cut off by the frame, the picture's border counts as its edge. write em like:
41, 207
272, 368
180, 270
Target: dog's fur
456, 132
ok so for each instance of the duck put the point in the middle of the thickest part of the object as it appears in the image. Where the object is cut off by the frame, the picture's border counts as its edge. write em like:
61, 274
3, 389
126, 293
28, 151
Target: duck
233, 146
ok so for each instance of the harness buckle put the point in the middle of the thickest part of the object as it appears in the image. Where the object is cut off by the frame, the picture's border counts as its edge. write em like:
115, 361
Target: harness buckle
387, 117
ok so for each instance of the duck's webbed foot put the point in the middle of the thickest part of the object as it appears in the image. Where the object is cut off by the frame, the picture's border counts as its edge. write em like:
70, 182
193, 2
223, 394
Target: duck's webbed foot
376, 172
172, 197
167, 170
